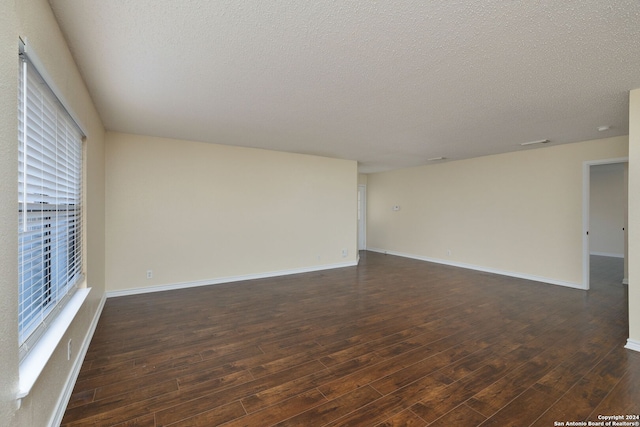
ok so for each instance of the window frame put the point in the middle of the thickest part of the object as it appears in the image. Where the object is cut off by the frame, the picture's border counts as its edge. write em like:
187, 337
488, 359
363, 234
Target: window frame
68, 213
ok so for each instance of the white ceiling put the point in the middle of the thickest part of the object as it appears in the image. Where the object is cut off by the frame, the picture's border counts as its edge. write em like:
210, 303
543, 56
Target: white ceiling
386, 83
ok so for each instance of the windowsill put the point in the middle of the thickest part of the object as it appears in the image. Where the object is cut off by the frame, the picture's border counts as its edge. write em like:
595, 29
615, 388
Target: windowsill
33, 365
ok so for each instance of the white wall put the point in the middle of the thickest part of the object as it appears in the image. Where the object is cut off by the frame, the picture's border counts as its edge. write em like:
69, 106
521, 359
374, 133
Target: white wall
195, 212
517, 213
607, 210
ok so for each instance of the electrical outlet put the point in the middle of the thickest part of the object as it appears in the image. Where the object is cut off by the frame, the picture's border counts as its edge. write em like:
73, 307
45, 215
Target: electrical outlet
69, 350
149, 274
345, 252
449, 252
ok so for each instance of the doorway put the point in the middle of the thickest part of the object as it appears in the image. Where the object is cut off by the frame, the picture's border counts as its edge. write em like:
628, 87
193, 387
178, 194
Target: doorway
605, 217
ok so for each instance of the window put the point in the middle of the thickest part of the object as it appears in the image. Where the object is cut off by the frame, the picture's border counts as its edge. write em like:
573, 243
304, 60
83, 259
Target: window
49, 205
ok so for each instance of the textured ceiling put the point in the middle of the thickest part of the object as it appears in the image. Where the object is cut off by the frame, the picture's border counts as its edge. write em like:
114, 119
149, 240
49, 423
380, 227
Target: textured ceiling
387, 83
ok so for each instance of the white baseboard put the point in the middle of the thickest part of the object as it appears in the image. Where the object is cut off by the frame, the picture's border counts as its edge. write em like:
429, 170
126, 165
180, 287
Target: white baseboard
229, 279
483, 269
63, 400
609, 254
633, 345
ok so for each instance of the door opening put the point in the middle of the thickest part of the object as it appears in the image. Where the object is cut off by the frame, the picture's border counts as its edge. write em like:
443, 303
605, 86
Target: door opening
604, 213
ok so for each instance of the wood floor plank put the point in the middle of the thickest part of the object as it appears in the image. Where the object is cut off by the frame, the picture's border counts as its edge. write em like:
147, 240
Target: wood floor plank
174, 413
558, 381
283, 410
143, 421
285, 390
409, 373
405, 418
393, 341
522, 410
80, 398
213, 417
333, 409
391, 404
438, 402
586, 395
624, 397
460, 416
494, 397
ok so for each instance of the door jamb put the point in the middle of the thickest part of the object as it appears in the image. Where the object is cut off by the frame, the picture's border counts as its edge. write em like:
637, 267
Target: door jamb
363, 219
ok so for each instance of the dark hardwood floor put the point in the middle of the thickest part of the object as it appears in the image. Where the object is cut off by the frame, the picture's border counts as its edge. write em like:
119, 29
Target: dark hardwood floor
393, 342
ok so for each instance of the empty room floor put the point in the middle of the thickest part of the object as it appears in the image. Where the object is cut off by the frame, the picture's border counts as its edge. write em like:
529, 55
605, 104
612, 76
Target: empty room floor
392, 342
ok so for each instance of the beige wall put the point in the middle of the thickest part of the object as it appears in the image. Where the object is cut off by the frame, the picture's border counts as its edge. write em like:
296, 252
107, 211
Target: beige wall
33, 19
8, 209
194, 212
607, 210
634, 217
518, 213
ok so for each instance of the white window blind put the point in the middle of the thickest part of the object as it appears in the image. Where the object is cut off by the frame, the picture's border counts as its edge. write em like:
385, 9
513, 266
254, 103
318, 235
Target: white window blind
50, 209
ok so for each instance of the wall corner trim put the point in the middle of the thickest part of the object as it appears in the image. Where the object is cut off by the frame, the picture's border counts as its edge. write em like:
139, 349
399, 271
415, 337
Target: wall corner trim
229, 279
633, 345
